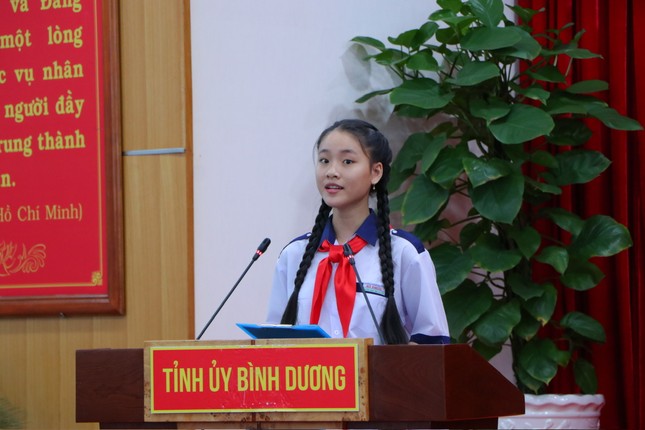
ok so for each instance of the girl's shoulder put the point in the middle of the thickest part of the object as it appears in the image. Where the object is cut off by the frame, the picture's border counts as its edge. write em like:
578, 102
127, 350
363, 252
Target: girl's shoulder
297, 244
407, 239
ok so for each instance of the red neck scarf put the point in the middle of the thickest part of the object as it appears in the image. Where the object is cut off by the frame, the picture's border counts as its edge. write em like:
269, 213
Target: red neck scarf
344, 282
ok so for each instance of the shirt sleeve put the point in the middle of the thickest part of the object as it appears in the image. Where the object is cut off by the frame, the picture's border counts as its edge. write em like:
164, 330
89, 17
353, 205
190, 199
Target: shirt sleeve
424, 314
279, 291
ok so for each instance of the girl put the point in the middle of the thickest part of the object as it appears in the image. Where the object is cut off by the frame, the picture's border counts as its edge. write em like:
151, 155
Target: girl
353, 161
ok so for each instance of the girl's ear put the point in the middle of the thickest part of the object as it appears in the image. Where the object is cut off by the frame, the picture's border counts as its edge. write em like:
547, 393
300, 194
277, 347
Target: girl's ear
377, 172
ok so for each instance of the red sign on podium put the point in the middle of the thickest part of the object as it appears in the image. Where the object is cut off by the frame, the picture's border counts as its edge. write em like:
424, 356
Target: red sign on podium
254, 376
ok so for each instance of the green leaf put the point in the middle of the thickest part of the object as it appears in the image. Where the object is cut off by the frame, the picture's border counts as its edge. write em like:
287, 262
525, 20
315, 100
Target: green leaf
522, 124
541, 308
412, 151
427, 231
390, 57
481, 171
581, 54
423, 200
496, 325
475, 73
486, 39
555, 256
585, 326
465, 304
527, 239
406, 39
396, 203
564, 219
612, 119
585, 376
527, 327
542, 187
489, 12
561, 102
452, 266
448, 165
489, 109
540, 359
489, 254
523, 287
527, 48
472, 231
453, 6
407, 111
547, 73
424, 93
581, 275
433, 147
525, 14
369, 41
534, 92
426, 31
397, 178
486, 351
569, 132
527, 382
579, 166
368, 96
590, 86
499, 200
601, 236
543, 158
423, 60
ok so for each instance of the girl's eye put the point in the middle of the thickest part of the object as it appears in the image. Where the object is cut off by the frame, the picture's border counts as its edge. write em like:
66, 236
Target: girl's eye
323, 160
348, 161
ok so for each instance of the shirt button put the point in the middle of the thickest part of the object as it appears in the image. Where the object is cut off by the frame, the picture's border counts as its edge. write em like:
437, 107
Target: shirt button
336, 332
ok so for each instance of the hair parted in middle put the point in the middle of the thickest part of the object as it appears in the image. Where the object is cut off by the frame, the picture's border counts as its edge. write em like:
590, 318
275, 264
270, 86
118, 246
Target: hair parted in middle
378, 149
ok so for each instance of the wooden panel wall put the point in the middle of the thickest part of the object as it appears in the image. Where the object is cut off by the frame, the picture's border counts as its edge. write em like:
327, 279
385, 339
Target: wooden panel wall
37, 357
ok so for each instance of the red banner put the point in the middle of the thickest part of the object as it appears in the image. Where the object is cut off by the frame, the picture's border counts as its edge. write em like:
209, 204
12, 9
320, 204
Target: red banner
275, 378
52, 173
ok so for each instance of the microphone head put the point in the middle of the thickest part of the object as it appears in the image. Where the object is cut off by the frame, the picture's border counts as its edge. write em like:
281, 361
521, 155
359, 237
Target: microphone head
347, 250
264, 245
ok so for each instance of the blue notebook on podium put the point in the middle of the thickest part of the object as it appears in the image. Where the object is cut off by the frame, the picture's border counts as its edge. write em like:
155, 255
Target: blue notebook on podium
283, 331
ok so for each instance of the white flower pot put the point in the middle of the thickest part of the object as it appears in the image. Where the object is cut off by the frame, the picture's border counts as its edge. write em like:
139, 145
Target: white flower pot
552, 411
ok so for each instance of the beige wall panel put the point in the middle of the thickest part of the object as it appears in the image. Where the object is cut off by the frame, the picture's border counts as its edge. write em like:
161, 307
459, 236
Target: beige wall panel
159, 101
37, 364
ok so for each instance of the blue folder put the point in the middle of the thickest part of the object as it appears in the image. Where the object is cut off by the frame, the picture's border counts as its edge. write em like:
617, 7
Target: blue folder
283, 331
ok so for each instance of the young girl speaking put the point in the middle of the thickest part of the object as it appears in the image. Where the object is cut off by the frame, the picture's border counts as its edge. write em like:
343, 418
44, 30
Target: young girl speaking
353, 161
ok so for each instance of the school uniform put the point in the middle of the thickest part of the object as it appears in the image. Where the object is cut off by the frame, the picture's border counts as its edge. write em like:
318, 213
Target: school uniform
415, 289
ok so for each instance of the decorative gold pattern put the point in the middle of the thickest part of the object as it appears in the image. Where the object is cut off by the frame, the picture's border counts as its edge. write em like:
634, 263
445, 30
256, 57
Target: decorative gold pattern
97, 278
27, 262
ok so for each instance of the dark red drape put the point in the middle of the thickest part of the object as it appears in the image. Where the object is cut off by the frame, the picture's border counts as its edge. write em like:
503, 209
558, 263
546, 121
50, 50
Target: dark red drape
616, 30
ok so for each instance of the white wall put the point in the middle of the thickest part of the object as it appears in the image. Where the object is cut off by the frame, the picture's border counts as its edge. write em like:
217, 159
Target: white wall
268, 77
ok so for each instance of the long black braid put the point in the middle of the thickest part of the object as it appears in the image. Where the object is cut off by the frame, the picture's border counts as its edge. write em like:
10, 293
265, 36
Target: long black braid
290, 314
378, 149
391, 325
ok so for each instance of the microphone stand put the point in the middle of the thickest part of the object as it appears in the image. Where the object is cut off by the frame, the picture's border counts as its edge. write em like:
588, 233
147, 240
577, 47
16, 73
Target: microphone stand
349, 253
263, 247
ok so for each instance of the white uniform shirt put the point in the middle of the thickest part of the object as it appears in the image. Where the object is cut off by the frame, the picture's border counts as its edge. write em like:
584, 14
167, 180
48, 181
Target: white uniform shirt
415, 288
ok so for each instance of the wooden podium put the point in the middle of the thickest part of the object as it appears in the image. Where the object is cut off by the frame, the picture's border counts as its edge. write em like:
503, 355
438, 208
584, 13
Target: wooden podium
410, 386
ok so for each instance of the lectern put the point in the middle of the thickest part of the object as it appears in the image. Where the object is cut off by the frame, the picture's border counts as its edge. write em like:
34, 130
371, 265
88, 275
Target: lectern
408, 386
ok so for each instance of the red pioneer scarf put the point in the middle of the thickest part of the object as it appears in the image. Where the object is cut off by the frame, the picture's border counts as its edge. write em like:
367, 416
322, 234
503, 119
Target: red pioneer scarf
344, 282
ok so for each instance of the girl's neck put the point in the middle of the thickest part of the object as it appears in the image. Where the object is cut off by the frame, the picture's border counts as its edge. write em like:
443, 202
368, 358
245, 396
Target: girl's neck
346, 223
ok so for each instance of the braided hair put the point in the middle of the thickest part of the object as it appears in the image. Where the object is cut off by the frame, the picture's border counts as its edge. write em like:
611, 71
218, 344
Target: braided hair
378, 150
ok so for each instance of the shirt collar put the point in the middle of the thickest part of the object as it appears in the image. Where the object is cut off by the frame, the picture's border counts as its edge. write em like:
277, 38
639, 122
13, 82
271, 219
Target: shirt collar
367, 231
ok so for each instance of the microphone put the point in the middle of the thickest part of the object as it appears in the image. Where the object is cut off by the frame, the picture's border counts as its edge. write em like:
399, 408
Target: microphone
261, 249
349, 253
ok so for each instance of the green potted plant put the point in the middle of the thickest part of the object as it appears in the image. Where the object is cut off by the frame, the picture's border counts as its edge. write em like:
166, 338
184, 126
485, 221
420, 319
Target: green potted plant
502, 128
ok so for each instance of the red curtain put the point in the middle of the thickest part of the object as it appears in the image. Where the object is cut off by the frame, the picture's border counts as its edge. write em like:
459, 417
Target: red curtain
616, 30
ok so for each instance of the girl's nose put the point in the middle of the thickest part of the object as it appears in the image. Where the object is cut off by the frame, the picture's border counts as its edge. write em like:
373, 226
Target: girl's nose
332, 172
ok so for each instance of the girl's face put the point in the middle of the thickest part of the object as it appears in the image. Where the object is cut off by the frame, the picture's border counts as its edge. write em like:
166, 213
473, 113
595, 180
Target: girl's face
345, 173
